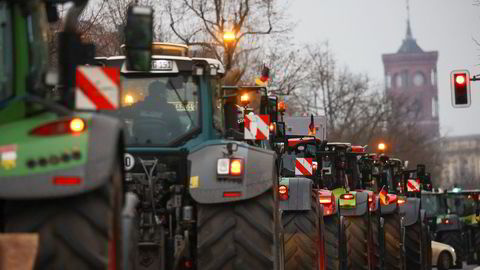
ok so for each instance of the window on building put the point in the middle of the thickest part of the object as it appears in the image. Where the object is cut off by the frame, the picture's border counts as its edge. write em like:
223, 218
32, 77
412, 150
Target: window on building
433, 77
434, 107
388, 81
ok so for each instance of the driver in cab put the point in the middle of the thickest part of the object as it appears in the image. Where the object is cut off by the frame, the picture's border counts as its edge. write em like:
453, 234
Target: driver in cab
154, 113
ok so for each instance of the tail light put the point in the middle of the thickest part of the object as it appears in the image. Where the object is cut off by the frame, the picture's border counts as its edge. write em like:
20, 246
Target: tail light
283, 192
347, 196
325, 199
271, 127
370, 197
232, 194
229, 167
73, 126
401, 201
448, 221
314, 166
67, 181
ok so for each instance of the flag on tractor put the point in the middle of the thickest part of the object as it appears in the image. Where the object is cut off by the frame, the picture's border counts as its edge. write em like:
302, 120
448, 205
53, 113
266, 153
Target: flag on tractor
383, 196
311, 127
263, 80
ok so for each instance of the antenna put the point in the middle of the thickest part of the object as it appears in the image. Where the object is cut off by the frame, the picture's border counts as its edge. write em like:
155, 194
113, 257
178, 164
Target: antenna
409, 30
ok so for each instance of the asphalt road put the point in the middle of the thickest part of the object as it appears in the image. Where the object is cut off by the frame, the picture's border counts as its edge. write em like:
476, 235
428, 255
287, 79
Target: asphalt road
467, 267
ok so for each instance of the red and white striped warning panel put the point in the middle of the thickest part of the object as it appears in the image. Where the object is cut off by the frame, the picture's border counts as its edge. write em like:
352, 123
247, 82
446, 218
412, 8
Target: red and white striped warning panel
256, 127
413, 185
97, 88
303, 166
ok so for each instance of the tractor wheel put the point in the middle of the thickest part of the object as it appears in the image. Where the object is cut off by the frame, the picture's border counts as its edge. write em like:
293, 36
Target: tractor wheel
393, 239
476, 239
238, 235
333, 247
377, 254
77, 232
454, 239
301, 238
413, 245
356, 234
426, 247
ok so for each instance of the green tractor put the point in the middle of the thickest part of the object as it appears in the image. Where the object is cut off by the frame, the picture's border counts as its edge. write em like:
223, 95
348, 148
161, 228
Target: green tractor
348, 231
458, 226
417, 232
379, 174
60, 170
208, 197
302, 214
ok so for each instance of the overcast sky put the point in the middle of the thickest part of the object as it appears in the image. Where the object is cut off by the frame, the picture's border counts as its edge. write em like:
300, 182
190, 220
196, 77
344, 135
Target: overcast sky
360, 31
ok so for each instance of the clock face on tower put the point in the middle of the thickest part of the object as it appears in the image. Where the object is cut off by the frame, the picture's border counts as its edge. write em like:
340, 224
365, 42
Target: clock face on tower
418, 79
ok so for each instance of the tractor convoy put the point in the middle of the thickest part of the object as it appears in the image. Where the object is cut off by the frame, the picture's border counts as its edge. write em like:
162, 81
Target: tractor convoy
146, 161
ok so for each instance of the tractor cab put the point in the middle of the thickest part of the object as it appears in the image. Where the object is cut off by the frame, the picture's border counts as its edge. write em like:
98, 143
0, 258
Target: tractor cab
170, 104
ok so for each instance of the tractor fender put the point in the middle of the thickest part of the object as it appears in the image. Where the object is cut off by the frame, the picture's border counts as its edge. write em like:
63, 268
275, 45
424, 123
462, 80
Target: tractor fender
455, 225
388, 209
103, 150
259, 172
411, 210
299, 194
361, 206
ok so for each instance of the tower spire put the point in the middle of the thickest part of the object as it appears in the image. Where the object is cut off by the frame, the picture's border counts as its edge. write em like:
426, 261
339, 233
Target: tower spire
409, 29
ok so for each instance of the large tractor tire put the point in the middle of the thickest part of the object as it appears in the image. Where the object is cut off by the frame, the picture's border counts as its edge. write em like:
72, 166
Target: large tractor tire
476, 243
454, 239
301, 239
394, 251
427, 247
413, 245
377, 253
239, 235
356, 234
333, 243
75, 233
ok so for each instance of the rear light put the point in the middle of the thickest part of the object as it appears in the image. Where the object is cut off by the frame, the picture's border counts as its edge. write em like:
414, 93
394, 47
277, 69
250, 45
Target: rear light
232, 194
283, 192
325, 199
73, 126
232, 167
271, 127
67, 180
370, 198
347, 196
236, 167
401, 201
358, 149
223, 166
314, 165
448, 221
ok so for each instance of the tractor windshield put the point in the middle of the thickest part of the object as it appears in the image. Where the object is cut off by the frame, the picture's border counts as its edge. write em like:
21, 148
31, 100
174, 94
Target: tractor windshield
433, 204
160, 110
303, 150
6, 63
461, 204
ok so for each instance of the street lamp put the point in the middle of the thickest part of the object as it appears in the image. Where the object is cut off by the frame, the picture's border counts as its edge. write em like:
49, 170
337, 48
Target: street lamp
381, 147
229, 41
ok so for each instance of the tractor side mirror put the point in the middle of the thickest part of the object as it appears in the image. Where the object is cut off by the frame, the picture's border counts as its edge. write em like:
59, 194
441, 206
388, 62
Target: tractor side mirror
280, 130
421, 171
139, 38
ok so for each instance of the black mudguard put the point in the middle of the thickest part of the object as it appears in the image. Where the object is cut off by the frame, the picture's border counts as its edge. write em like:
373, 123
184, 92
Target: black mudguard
361, 207
299, 194
104, 149
388, 209
411, 210
258, 176
454, 226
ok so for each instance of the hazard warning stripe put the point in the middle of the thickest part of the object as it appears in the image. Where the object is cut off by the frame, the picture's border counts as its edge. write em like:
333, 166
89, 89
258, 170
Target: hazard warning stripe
91, 91
303, 166
412, 185
262, 127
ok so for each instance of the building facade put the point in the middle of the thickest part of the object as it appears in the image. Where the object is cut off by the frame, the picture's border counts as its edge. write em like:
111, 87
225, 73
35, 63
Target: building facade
411, 83
461, 161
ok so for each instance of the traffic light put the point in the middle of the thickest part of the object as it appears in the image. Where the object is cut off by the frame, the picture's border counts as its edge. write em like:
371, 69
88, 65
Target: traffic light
460, 81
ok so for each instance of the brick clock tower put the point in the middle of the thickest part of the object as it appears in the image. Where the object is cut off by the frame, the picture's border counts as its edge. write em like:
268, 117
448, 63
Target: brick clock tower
411, 79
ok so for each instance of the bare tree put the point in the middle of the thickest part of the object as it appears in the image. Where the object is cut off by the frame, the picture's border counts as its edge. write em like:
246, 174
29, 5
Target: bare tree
203, 23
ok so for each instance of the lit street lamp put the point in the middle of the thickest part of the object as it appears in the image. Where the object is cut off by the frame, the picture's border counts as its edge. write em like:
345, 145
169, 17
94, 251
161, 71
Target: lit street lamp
230, 42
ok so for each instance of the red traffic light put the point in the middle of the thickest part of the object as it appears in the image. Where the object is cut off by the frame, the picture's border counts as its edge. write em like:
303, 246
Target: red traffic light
460, 81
